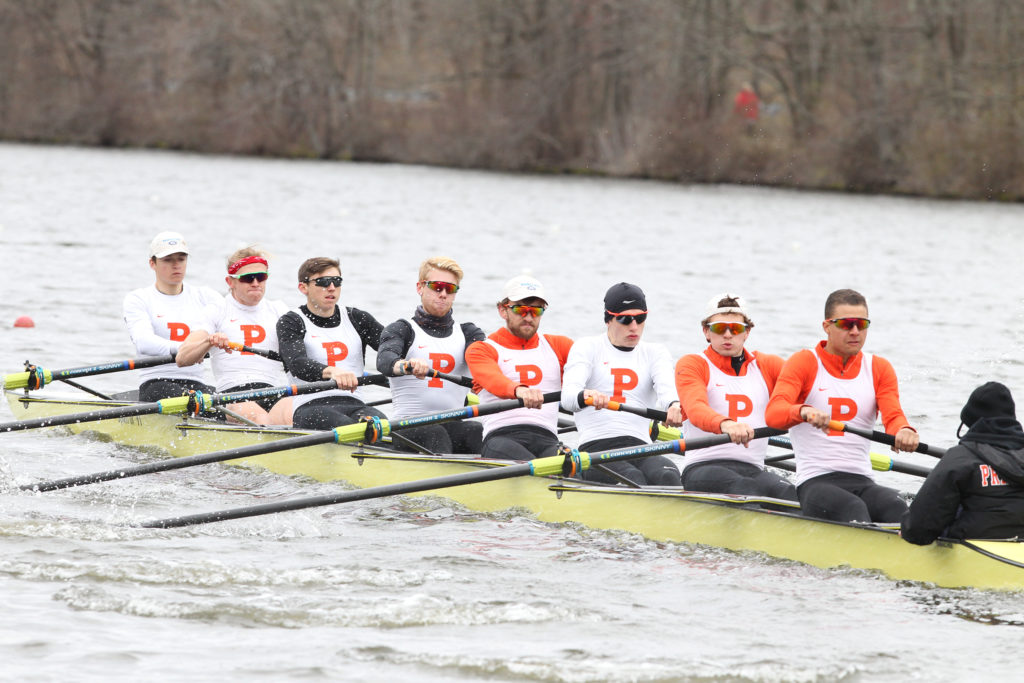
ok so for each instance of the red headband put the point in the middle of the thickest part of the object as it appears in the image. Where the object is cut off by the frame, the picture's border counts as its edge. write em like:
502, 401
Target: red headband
242, 262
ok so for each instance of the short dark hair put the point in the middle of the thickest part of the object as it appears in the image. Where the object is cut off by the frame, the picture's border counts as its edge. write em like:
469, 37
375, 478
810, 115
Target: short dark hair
843, 297
317, 264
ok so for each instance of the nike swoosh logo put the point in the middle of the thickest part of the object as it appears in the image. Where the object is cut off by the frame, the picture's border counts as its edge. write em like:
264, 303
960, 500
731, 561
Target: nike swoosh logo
822, 388
421, 346
233, 320
719, 385
605, 363
505, 360
629, 301
158, 315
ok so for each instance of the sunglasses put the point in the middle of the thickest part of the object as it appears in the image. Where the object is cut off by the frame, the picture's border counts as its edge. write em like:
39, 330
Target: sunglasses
523, 310
441, 286
721, 328
640, 318
850, 323
249, 278
326, 281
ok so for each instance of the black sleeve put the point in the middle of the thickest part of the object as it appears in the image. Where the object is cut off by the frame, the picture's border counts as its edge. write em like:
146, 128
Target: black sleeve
935, 506
472, 333
367, 326
291, 332
395, 341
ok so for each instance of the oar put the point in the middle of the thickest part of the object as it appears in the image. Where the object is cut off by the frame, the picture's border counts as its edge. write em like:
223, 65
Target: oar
568, 464
266, 353
37, 378
879, 461
454, 379
191, 403
369, 432
882, 437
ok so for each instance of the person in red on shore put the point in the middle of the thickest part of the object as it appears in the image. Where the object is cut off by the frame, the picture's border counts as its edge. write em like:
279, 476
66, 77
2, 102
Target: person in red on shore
725, 390
838, 381
517, 362
746, 105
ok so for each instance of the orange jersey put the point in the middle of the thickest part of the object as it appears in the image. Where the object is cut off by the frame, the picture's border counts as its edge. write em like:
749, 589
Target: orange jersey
482, 359
693, 375
796, 381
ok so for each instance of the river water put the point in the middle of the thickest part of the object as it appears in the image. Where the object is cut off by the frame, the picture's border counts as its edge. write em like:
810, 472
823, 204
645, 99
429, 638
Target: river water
423, 589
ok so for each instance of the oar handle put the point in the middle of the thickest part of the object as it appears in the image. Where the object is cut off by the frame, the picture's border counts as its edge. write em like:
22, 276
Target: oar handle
266, 353
454, 379
882, 437
651, 413
38, 378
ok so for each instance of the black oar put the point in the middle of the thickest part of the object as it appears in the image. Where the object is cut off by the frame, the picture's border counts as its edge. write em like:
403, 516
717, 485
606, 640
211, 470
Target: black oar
569, 464
37, 378
882, 437
194, 403
454, 379
361, 431
266, 353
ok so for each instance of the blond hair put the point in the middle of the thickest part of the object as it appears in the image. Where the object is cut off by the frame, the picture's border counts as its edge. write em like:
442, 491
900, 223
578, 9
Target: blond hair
245, 252
441, 263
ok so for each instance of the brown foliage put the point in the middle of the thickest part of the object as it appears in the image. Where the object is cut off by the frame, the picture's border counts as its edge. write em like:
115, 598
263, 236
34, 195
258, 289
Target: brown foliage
910, 96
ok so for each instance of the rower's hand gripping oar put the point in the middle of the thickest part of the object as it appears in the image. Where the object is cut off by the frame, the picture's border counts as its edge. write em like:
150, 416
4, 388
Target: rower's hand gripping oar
192, 403
564, 464
369, 431
882, 437
35, 378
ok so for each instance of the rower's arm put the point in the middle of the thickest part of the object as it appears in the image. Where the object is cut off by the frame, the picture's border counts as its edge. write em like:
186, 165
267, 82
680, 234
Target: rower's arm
291, 333
395, 341
791, 389
193, 349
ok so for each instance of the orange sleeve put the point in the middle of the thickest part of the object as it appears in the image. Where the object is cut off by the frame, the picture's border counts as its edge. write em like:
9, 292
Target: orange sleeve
482, 359
791, 389
561, 346
770, 366
887, 395
692, 377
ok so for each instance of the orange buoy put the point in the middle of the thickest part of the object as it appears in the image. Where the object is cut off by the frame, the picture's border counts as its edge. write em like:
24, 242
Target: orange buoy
24, 321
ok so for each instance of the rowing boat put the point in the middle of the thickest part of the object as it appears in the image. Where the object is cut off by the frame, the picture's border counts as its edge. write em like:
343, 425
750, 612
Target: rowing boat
738, 523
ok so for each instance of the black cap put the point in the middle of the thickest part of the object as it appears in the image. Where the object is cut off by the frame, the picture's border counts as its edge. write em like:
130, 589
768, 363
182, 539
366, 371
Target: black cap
624, 297
991, 399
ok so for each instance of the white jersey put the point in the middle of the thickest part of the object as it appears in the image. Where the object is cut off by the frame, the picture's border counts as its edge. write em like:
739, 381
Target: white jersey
339, 347
538, 368
411, 396
741, 398
254, 326
642, 377
158, 323
847, 400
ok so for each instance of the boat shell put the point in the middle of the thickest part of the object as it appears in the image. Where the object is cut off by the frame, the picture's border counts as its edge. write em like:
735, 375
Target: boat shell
738, 523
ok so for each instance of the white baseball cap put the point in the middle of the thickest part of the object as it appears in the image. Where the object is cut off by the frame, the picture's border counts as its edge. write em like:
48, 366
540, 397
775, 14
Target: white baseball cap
167, 243
524, 287
714, 306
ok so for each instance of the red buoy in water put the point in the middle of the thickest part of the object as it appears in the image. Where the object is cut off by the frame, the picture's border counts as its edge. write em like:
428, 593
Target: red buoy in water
24, 321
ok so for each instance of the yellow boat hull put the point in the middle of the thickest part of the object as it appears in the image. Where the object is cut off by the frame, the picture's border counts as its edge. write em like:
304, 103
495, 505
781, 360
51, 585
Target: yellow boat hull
733, 522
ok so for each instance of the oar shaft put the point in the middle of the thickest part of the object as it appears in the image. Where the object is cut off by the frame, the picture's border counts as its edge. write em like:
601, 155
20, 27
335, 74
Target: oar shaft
345, 497
538, 467
190, 461
650, 413
882, 437
20, 380
266, 353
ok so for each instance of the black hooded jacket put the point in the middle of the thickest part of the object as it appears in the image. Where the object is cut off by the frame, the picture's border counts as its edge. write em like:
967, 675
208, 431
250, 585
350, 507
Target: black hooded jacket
976, 490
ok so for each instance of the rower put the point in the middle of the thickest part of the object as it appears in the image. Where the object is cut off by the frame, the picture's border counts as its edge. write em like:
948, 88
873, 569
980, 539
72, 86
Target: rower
618, 366
160, 318
242, 316
410, 349
838, 381
725, 390
321, 340
977, 489
517, 362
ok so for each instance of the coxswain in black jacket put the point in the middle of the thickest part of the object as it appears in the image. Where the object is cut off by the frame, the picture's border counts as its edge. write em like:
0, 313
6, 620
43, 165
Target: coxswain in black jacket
977, 489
